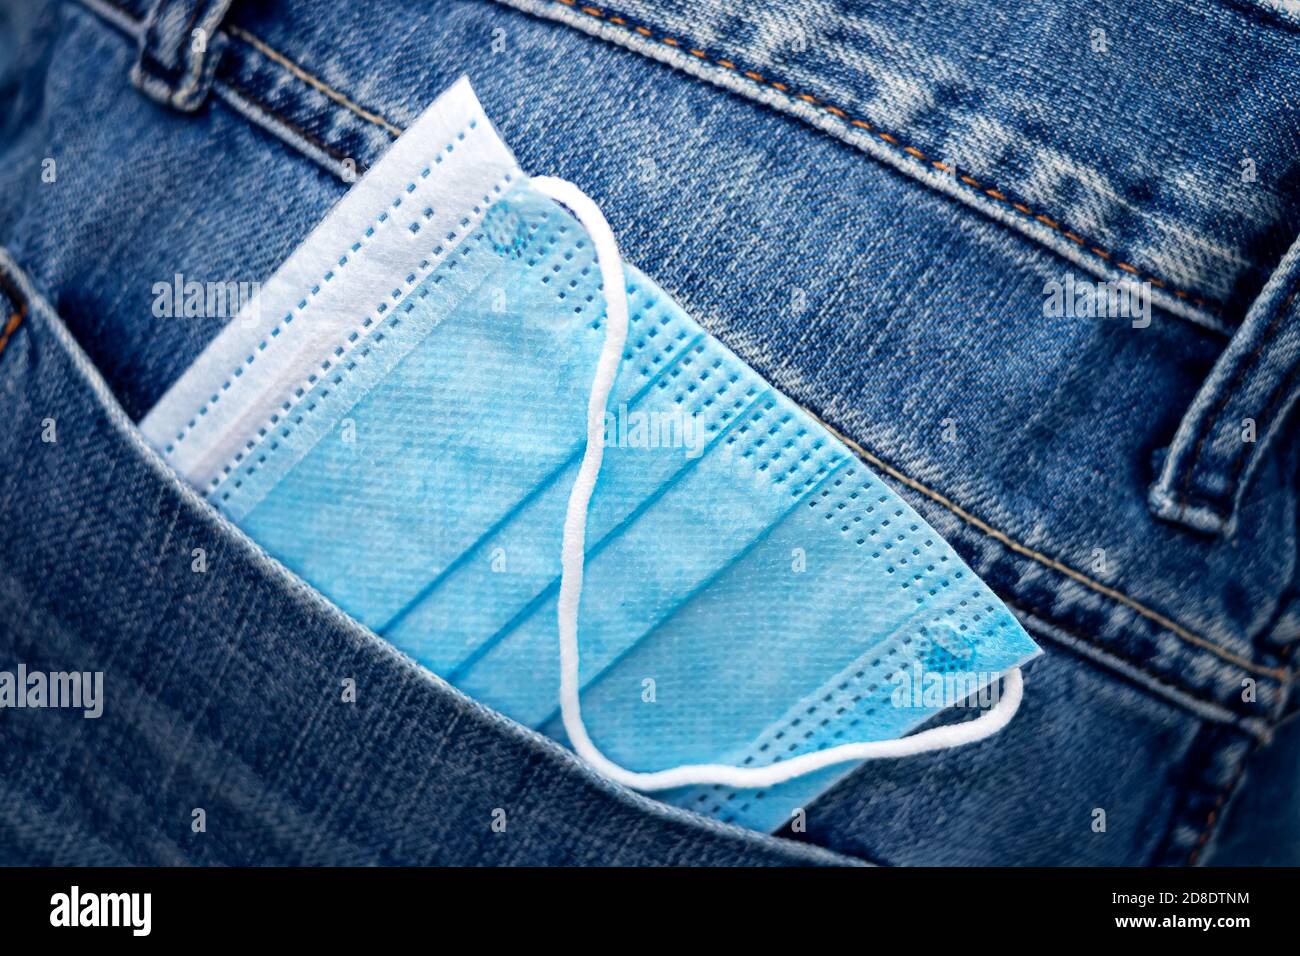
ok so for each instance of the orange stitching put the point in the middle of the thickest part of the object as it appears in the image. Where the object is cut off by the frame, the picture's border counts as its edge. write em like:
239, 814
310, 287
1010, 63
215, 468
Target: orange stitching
912, 151
19, 313
312, 81
1224, 794
11, 326
265, 107
1170, 682
1106, 590
1228, 791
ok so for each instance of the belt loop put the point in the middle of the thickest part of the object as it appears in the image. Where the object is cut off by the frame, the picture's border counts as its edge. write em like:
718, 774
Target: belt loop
1238, 412
179, 50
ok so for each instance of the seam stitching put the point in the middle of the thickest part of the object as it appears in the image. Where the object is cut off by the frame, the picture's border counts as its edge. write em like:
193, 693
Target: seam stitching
842, 115
1208, 827
1163, 681
1221, 402
152, 24
314, 82
1212, 818
199, 67
191, 63
310, 296
1279, 674
10, 288
992, 192
15, 319
1281, 396
245, 94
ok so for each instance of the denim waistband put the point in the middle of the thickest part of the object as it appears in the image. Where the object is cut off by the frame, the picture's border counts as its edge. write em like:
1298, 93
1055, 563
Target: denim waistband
1143, 141
224, 677
1148, 141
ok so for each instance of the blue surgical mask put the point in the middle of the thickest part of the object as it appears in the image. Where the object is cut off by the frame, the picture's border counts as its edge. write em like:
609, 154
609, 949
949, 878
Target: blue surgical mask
743, 592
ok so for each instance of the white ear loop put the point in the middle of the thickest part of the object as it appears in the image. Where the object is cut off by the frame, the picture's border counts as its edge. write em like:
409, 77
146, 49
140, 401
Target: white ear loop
574, 551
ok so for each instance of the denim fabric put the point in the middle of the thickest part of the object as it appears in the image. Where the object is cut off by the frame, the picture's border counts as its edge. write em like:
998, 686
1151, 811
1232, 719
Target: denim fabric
179, 51
1254, 833
902, 305
1088, 126
223, 687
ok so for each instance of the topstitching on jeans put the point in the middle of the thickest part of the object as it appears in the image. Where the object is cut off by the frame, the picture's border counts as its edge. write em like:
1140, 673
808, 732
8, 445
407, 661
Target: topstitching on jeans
317, 84
1000, 196
1207, 423
16, 317
1178, 630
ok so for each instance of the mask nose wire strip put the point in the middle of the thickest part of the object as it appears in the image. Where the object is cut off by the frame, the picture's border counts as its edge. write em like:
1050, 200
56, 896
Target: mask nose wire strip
574, 551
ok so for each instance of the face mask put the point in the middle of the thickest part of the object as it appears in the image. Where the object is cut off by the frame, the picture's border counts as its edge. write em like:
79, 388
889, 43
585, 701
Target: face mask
589, 514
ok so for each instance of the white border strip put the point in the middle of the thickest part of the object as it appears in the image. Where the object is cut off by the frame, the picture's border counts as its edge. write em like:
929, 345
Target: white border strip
405, 215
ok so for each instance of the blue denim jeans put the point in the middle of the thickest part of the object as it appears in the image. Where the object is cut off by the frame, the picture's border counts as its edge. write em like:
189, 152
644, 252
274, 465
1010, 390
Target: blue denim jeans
869, 206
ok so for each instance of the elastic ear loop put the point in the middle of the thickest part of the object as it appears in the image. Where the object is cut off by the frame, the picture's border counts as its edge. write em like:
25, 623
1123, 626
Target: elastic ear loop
573, 556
